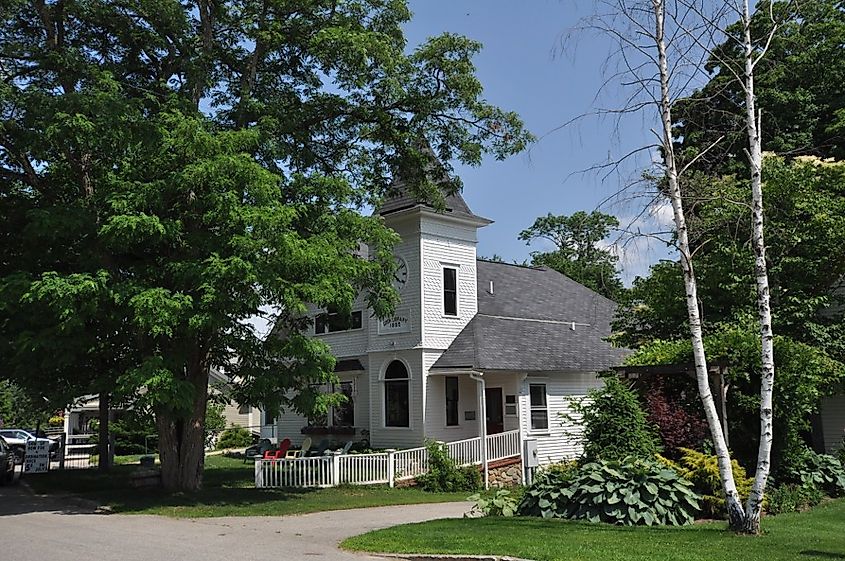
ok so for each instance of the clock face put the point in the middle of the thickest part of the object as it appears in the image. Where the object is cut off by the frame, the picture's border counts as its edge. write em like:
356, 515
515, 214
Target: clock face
400, 276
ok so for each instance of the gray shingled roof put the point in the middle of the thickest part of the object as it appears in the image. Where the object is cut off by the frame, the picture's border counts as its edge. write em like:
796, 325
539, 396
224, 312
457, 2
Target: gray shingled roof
402, 199
525, 324
401, 196
348, 365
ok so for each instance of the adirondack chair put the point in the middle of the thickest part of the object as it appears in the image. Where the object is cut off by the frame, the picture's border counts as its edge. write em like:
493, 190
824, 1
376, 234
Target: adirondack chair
321, 448
346, 448
303, 451
258, 450
278, 454
284, 446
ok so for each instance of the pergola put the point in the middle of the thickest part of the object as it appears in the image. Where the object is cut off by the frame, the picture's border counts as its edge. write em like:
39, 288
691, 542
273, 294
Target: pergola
716, 372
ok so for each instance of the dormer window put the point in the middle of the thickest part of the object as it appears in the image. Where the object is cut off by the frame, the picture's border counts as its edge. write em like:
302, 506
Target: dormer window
450, 291
332, 322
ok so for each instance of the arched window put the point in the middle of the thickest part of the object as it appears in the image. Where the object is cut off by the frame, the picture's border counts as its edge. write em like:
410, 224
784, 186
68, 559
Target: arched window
396, 399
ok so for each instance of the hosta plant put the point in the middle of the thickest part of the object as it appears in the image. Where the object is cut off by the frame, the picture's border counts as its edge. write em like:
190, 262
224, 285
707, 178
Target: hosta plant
626, 492
500, 503
822, 471
544, 497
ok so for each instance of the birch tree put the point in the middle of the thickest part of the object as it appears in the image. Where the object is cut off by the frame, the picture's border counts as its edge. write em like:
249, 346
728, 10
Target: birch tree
673, 178
767, 372
663, 45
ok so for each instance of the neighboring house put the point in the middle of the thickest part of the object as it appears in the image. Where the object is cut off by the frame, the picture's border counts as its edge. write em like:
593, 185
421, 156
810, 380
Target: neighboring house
829, 431
471, 340
832, 416
79, 417
252, 418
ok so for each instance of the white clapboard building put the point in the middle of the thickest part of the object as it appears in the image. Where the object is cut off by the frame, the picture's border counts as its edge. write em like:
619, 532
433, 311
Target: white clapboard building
474, 346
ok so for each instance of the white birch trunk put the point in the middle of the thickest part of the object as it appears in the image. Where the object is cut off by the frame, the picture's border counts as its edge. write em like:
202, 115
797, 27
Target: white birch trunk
755, 159
735, 512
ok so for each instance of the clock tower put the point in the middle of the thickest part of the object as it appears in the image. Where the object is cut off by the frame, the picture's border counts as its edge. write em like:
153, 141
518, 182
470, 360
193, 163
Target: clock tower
435, 274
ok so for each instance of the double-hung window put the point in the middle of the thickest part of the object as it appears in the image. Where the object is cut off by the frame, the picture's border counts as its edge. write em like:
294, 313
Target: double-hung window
539, 407
451, 401
450, 291
332, 322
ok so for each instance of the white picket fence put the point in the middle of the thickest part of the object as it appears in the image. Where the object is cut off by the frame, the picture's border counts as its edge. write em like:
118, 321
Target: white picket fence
378, 468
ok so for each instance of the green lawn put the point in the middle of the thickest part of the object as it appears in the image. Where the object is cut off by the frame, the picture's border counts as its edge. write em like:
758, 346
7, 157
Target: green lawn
816, 535
228, 491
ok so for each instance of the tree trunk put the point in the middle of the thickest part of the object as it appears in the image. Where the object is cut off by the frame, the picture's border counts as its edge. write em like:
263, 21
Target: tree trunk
182, 439
767, 371
104, 429
736, 514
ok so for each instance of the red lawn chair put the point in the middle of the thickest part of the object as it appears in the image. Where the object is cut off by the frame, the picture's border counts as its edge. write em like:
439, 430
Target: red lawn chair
278, 454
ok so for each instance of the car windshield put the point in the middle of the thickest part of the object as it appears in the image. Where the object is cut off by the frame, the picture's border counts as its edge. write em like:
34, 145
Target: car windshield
17, 434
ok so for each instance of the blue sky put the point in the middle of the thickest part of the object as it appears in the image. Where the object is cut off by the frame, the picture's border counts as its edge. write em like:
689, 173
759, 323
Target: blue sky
523, 70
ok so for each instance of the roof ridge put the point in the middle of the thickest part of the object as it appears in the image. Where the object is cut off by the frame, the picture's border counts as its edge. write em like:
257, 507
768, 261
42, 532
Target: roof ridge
519, 265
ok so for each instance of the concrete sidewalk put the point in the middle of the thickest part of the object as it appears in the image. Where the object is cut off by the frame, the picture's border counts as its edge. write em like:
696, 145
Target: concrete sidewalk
45, 527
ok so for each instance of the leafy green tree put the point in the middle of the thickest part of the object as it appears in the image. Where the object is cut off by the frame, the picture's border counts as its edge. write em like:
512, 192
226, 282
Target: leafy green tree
171, 168
800, 83
577, 253
805, 374
17, 409
805, 199
215, 422
653, 308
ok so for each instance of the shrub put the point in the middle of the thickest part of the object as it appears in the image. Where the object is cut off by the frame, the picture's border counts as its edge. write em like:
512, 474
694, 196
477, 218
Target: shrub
629, 492
215, 422
792, 498
615, 425
134, 432
500, 503
234, 437
130, 438
544, 497
444, 475
678, 424
821, 471
702, 470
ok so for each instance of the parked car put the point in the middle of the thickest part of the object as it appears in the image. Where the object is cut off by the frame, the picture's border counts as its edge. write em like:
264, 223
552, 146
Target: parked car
7, 463
17, 439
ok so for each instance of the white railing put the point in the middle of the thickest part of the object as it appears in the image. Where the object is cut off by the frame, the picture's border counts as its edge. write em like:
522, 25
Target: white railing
295, 472
465, 452
363, 469
503, 445
384, 467
410, 463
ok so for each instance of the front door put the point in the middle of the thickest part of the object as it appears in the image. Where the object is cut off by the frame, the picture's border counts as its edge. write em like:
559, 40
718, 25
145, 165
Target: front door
495, 410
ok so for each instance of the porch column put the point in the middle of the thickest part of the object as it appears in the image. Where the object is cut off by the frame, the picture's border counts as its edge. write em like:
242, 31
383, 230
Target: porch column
482, 420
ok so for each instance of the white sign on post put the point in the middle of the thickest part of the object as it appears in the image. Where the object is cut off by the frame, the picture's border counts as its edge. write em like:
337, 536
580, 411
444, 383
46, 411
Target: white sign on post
37, 458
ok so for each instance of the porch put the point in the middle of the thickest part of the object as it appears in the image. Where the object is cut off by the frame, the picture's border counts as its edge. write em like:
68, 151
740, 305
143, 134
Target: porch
387, 467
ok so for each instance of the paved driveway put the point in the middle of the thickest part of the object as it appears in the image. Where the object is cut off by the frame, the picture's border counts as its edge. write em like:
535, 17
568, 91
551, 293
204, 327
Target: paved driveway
45, 528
